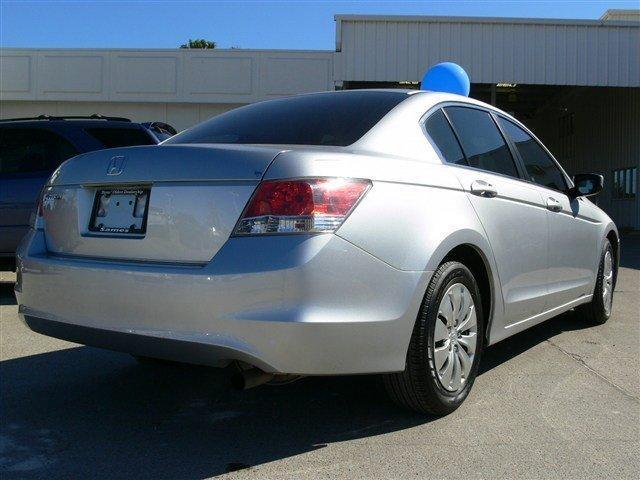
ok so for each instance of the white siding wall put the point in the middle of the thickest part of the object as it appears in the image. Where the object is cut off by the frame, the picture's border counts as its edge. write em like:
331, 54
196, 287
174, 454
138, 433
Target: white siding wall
551, 52
163, 76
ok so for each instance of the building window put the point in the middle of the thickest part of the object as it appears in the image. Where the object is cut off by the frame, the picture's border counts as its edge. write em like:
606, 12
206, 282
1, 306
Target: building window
625, 182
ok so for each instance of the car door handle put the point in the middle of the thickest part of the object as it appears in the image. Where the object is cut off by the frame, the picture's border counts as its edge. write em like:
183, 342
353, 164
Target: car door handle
483, 189
554, 205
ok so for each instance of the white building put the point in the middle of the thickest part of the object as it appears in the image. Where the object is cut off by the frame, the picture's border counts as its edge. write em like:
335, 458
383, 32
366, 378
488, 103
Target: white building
576, 83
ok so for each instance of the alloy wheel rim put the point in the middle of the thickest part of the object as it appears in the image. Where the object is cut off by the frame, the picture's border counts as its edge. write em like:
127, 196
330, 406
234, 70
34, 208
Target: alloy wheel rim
607, 282
455, 337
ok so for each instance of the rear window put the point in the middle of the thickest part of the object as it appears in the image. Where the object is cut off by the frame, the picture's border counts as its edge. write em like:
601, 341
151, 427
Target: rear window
120, 137
27, 150
337, 119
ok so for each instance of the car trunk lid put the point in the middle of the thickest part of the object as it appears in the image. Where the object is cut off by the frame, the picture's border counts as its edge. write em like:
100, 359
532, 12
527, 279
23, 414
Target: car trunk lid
189, 199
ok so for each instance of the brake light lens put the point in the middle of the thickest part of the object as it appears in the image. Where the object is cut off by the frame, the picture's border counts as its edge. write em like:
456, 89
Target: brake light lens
317, 205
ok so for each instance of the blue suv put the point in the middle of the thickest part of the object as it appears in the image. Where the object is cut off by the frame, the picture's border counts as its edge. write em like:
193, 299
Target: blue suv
31, 148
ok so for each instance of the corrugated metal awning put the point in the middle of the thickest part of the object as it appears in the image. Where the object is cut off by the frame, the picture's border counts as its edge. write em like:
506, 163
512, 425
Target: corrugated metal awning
492, 50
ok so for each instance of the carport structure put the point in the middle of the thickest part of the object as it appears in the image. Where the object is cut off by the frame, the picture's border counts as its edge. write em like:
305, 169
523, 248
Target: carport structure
575, 83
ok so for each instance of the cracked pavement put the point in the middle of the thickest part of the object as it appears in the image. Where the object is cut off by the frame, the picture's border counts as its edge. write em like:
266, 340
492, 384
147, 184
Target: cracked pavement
561, 400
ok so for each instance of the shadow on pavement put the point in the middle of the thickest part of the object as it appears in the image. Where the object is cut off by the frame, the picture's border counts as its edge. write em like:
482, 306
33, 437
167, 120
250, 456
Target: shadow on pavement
7, 297
630, 251
85, 412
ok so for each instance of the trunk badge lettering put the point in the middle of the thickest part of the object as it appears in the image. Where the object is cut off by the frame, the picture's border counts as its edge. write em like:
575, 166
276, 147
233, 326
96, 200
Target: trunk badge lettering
116, 165
49, 200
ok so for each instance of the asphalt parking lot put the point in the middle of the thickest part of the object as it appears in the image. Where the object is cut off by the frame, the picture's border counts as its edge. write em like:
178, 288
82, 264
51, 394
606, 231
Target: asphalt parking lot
561, 400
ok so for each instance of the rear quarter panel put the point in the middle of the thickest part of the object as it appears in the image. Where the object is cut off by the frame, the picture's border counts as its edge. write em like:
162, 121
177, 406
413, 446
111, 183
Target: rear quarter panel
415, 213
414, 209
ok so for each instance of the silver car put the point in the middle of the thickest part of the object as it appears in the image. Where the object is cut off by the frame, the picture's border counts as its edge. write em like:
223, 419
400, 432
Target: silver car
372, 231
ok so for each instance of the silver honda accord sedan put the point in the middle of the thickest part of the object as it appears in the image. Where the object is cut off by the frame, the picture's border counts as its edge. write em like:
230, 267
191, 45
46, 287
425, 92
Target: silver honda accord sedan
353, 232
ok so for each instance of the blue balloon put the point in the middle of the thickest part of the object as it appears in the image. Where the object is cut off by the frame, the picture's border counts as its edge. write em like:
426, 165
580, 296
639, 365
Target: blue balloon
446, 77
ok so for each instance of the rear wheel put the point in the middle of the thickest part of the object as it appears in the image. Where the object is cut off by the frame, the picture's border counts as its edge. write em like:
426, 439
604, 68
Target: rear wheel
599, 309
446, 344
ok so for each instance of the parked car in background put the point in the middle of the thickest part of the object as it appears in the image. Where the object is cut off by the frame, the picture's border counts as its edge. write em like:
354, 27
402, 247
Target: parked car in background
367, 231
31, 148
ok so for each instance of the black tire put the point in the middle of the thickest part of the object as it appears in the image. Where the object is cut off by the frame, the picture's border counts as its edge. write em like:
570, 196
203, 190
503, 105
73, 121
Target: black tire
595, 312
418, 388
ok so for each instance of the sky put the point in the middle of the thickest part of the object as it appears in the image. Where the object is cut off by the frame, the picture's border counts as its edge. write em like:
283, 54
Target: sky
266, 24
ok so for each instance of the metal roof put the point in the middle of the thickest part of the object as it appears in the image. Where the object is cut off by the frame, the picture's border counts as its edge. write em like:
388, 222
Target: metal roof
381, 48
517, 20
223, 76
619, 14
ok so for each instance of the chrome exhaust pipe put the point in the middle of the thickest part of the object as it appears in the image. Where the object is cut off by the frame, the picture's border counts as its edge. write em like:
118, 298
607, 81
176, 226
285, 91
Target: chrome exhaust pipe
250, 378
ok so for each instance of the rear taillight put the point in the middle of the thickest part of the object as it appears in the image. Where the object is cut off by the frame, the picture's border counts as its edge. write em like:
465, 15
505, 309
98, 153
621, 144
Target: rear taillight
317, 205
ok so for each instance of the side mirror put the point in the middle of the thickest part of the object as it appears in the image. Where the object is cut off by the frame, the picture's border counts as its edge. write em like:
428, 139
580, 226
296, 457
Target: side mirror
586, 185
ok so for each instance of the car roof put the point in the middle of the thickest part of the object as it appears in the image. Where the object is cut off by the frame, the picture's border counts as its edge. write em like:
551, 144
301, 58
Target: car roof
407, 91
74, 123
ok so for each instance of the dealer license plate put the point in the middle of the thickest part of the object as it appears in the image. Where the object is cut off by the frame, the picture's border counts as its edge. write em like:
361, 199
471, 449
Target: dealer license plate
120, 210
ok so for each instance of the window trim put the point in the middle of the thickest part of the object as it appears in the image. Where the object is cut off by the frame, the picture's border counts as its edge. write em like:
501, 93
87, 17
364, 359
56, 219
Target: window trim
456, 136
522, 169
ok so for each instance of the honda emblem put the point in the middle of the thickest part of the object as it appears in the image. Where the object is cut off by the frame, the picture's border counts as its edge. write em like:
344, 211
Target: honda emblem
116, 165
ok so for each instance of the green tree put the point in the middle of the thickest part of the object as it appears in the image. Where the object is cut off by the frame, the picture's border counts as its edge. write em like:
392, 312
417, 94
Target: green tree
199, 43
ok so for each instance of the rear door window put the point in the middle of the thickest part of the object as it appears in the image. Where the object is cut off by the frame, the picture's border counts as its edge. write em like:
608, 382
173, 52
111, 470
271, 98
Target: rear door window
438, 128
29, 150
120, 137
539, 165
481, 141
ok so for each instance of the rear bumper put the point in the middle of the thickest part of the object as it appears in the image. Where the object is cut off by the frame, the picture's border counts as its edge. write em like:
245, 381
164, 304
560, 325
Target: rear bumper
314, 305
144, 345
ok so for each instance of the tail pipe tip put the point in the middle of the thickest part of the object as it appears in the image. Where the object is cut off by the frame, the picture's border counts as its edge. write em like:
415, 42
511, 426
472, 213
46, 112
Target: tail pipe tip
250, 378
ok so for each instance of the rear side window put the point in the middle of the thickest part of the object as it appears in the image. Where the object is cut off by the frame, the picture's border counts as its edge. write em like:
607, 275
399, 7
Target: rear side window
120, 137
337, 118
481, 140
28, 150
539, 165
439, 130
